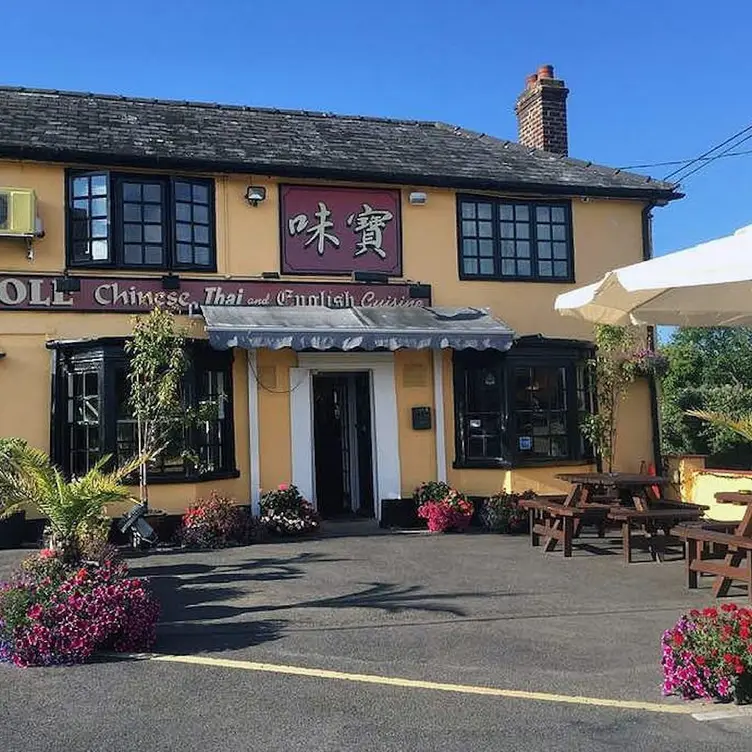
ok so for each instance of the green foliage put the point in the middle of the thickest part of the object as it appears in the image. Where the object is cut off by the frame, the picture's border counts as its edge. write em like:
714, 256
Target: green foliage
432, 490
502, 512
74, 509
158, 364
612, 371
709, 376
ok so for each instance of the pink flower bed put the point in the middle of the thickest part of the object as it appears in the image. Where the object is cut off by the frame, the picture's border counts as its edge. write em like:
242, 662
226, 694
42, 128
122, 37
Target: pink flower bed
53, 614
450, 512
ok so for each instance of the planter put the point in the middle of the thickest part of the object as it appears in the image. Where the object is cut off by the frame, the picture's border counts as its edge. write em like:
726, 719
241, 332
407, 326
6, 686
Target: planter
400, 513
12, 530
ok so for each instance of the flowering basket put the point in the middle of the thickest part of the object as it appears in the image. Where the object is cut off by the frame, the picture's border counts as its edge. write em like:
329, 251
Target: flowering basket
54, 613
451, 512
215, 522
708, 655
647, 362
502, 513
284, 511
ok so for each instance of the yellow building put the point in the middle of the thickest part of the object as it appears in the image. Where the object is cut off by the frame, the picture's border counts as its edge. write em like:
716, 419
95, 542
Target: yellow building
378, 294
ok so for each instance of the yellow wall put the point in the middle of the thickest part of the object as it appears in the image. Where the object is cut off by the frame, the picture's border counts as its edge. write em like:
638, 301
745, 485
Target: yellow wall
607, 233
697, 484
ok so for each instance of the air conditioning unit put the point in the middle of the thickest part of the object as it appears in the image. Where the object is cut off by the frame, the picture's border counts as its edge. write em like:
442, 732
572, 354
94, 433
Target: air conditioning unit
18, 212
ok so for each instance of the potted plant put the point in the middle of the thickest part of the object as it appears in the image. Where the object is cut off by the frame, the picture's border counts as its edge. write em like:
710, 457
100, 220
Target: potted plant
450, 511
502, 513
284, 511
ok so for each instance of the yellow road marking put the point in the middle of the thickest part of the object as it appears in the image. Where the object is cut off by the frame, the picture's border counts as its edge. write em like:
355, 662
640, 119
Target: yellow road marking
395, 681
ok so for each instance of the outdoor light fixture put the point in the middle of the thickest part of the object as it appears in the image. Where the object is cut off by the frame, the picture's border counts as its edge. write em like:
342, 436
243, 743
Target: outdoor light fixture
171, 282
269, 275
419, 291
67, 284
255, 194
418, 198
2, 354
377, 277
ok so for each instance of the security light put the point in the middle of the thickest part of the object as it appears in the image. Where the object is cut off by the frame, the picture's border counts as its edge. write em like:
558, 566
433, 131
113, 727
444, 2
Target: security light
254, 194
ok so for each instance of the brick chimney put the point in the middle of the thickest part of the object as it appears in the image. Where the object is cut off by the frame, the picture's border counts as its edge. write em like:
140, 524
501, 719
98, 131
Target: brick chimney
542, 112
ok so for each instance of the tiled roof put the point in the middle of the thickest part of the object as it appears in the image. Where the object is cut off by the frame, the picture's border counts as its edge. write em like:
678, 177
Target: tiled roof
103, 129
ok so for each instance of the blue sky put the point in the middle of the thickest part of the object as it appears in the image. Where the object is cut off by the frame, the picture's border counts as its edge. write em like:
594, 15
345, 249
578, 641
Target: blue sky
649, 81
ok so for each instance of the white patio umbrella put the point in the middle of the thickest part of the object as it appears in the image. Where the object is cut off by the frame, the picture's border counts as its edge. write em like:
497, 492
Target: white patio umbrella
707, 285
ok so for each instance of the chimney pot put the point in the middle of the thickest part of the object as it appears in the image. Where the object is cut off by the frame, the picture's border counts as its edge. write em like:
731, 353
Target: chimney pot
546, 71
531, 80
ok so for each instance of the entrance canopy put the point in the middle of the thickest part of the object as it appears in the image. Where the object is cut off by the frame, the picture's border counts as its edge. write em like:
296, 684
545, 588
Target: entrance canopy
357, 328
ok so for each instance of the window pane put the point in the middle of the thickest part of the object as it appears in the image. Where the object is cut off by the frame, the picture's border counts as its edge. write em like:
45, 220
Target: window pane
99, 207
183, 232
485, 247
81, 186
200, 194
152, 213
470, 247
521, 213
507, 230
506, 211
99, 228
153, 233
486, 266
153, 255
183, 212
557, 214
132, 192
133, 233
81, 208
523, 268
508, 267
185, 253
522, 230
544, 250
182, 191
544, 232
132, 212
201, 214
559, 232
561, 269
202, 256
80, 230
560, 251
543, 214
201, 235
545, 269
523, 248
99, 185
485, 229
152, 193
470, 266
484, 211
507, 248
133, 254
468, 229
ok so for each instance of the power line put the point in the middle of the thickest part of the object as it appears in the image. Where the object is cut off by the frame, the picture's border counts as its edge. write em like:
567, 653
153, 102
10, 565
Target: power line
685, 161
718, 156
708, 153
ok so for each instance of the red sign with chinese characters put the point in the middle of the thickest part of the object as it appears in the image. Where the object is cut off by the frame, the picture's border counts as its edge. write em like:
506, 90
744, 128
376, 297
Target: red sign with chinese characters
340, 230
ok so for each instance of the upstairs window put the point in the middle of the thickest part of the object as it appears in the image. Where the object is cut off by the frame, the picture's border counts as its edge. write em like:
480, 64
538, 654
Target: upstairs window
140, 222
515, 240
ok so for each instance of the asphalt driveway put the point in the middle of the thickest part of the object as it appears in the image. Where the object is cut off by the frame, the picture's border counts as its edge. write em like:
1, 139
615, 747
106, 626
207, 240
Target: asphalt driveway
474, 610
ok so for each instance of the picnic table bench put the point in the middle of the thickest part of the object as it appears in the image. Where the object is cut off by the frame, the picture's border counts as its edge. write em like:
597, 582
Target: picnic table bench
737, 562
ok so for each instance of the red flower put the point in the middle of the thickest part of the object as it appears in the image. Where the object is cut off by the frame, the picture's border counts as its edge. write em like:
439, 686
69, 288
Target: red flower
729, 658
700, 660
35, 611
678, 639
744, 631
47, 553
729, 607
710, 612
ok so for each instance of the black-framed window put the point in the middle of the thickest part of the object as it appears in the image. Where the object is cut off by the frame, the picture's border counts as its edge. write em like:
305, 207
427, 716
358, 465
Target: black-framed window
515, 240
526, 406
92, 417
140, 221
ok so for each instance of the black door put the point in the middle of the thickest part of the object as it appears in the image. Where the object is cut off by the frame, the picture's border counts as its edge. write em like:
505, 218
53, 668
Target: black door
342, 444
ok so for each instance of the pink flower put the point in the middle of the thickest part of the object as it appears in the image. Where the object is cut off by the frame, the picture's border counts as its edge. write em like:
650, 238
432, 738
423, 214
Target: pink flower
283, 487
47, 553
35, 611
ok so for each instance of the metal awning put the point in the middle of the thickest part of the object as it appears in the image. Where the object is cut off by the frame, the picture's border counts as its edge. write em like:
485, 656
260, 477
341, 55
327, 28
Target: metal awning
358, 328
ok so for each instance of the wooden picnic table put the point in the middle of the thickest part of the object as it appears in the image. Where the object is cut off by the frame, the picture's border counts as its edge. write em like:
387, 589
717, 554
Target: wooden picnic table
630, 489
735, 556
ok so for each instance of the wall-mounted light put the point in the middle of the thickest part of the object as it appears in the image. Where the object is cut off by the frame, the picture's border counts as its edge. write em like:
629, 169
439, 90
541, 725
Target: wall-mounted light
2, 354
171, 282
377, 277
67, 284
418, 198
254, 194
269, 275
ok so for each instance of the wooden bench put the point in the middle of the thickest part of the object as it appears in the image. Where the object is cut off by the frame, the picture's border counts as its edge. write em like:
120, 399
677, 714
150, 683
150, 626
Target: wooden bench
736, 566
651, 521
557, 522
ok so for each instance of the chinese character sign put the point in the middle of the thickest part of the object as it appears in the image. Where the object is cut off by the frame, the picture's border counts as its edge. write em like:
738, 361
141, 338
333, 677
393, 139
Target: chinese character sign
340, 230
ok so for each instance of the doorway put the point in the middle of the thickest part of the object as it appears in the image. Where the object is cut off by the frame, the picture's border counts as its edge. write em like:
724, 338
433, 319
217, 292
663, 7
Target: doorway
342, 444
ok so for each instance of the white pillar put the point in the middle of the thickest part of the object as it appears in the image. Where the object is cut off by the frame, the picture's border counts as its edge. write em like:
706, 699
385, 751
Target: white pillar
254, 459
438, 402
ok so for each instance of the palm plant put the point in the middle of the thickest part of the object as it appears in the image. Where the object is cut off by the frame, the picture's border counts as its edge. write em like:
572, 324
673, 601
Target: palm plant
74, 509
740, 426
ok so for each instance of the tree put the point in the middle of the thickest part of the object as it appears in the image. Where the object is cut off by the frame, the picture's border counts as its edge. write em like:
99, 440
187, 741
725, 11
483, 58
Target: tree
710, 372
613, 369
158, 364
74, 509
